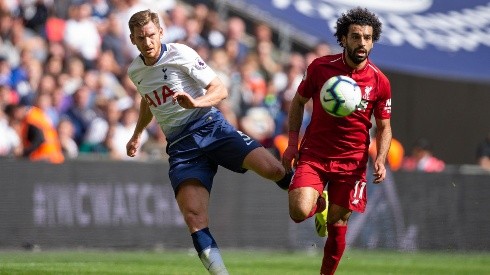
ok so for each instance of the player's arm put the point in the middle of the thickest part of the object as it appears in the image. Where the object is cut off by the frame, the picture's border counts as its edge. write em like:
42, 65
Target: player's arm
296, 112
144, 118
295, 119
215, 92
383, 141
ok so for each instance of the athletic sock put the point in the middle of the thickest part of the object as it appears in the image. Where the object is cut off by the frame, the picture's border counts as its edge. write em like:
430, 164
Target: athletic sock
208, 252
285, 181
334, 248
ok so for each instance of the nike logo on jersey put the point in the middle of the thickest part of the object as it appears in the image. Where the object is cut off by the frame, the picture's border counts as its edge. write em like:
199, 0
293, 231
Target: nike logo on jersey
248, 140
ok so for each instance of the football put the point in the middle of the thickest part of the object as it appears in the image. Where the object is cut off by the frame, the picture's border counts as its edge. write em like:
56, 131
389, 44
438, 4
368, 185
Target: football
340, 96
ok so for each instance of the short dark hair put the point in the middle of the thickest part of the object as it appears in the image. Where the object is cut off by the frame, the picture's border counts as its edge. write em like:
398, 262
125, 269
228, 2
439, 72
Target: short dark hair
357, 16
142, 18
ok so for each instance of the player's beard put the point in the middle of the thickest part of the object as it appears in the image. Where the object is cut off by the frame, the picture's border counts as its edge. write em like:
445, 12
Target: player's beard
351, 53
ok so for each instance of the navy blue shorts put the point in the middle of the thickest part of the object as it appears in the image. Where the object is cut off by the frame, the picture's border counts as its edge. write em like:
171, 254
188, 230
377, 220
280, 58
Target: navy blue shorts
196, 153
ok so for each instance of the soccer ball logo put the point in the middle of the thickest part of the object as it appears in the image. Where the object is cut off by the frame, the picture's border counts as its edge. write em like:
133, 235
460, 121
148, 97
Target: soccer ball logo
340, 96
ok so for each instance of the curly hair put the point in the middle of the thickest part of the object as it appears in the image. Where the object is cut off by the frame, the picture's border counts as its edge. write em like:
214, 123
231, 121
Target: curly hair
357, 16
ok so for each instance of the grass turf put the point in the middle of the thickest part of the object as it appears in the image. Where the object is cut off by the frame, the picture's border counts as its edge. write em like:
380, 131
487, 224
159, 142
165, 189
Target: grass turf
240, 262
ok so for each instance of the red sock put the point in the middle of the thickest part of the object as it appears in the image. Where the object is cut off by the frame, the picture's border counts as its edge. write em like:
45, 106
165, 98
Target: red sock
334, 248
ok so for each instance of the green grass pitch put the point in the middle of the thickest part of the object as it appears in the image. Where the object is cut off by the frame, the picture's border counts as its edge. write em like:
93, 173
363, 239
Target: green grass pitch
240, 262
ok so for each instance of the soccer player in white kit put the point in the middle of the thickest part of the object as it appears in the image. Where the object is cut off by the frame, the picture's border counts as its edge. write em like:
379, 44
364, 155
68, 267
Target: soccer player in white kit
180, 90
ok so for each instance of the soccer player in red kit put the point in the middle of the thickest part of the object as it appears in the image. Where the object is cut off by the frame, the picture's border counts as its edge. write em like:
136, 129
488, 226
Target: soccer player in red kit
334, 150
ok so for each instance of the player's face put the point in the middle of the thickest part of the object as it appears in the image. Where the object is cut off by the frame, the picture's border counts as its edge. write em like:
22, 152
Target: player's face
148, 41
358, 43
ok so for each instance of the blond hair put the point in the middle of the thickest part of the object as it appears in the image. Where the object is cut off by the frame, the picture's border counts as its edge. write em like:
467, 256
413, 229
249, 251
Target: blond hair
142, 18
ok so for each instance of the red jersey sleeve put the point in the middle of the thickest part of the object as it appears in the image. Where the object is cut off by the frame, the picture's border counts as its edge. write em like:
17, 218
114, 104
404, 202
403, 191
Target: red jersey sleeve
382, 108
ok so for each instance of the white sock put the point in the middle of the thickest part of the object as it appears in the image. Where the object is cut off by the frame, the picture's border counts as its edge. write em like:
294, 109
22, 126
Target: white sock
212, 261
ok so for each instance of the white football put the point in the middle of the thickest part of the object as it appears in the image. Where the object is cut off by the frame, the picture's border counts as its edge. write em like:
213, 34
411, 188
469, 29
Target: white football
340, 96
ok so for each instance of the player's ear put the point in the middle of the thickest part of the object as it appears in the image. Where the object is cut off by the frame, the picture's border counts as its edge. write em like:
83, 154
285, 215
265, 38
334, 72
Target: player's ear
131, 37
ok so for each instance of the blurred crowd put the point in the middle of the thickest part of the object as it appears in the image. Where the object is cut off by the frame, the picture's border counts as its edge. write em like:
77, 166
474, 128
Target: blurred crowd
64, 91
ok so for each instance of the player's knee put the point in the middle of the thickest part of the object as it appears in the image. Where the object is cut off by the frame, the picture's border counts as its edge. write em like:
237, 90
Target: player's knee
195, 219
298, 213
338, 215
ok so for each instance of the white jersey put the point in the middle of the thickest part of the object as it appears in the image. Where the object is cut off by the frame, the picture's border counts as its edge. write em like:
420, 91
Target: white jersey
179, 68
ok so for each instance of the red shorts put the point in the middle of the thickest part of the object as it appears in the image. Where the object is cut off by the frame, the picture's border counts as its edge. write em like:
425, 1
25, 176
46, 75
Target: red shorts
345, 180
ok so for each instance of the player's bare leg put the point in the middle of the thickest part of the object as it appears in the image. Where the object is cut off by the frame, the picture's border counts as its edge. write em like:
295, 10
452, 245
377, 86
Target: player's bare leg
302, 203
193, 201
266, 165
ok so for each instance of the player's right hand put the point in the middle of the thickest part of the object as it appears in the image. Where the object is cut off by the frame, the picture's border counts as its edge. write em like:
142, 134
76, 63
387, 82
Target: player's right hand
290, 157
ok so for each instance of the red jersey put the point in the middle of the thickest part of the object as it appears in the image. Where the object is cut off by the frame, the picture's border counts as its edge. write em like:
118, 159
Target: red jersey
343, 138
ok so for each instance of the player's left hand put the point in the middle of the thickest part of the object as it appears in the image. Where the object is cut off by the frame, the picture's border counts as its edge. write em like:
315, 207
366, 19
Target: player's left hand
184, 100
379, 172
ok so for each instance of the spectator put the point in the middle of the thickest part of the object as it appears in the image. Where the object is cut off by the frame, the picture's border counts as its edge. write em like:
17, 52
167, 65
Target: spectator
267, 62
193, 36
27, 86
81, 34
176, 24
200, 13
5, 72
10, 141
253, 84
66, 133
44, 101
220, 63
108, 73
95, 139
60, 101
73, 78
57, 51
259, 125
322, 49
483, 153
236, 39
35, 14
7, 96
112, 39
55, 29
263, 35
81, 112
40, 141
100, 9
422, 159
212, 30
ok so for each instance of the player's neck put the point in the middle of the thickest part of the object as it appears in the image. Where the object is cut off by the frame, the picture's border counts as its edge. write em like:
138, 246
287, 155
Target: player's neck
357, 67
150, 61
